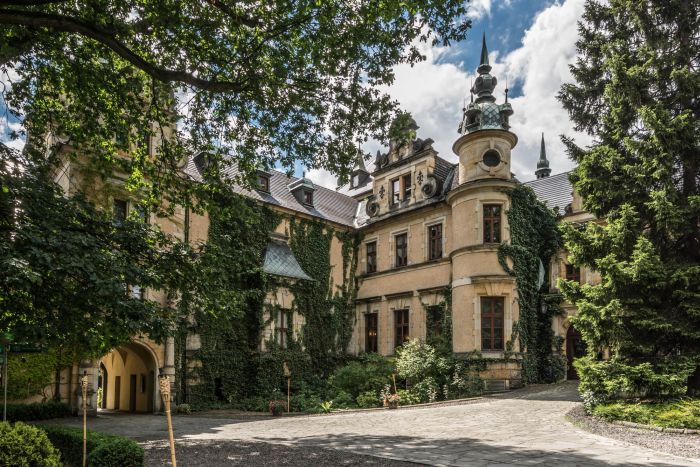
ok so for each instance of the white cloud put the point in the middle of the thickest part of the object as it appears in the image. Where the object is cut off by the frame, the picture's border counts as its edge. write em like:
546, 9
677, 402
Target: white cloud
434, 92
479, 8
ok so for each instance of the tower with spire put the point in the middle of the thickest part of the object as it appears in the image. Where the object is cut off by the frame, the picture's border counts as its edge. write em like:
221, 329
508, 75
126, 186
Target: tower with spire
543, 169
485, 142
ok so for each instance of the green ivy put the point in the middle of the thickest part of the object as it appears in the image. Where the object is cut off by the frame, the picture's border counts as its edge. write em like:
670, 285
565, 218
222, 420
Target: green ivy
442, 342
534, 239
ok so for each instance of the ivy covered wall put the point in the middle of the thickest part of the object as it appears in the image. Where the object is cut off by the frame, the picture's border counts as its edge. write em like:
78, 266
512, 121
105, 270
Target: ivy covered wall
229, 318
535, 240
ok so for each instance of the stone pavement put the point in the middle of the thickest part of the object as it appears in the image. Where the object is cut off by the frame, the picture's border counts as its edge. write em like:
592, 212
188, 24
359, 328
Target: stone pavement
525, 427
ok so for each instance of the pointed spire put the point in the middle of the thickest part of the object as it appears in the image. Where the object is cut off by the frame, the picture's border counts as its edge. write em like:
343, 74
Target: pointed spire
484, 66
543, 169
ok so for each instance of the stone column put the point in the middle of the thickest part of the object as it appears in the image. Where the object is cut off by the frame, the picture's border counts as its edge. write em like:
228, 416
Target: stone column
168, 368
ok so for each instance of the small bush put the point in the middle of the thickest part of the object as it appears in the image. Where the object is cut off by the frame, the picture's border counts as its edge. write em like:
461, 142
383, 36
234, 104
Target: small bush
277, 407
183, 409
369, 373
408, 397
306, 400
37, 411
614, 379
103, 450
326, 407
344, 400
368, 400
677, 413
25, 445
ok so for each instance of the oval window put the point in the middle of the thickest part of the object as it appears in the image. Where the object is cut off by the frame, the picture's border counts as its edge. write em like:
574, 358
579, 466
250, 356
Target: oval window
492, 158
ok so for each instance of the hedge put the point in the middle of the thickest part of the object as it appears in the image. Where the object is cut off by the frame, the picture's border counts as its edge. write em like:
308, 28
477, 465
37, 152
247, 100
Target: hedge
26, 446
37, 411
103, 449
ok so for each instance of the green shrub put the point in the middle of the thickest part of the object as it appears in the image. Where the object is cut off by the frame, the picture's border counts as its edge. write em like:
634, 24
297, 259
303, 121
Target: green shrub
408, 397
344, 400
25, 445
183, 409
120, 452
326, 407
676, 413
417, 361
464, 381
103, 449
368, 400
37, 411
613, 379
369, 373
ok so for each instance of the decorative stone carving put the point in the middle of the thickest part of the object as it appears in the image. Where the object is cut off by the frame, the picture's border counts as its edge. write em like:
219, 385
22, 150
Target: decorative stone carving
431, 187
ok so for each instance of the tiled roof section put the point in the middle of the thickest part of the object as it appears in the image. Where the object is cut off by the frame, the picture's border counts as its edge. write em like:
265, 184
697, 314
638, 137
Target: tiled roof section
328, 204
280, 261
554, 191
442, 168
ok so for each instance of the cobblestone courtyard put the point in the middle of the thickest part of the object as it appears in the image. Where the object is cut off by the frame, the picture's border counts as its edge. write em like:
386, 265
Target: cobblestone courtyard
526, 427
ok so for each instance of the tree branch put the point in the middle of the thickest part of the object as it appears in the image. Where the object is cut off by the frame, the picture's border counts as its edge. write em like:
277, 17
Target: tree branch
32, 19
239, 19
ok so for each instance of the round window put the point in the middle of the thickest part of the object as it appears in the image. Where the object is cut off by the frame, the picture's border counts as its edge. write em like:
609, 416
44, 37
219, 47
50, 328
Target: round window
492, 158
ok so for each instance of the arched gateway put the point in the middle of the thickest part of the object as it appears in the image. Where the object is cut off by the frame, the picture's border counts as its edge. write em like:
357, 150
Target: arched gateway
129, 379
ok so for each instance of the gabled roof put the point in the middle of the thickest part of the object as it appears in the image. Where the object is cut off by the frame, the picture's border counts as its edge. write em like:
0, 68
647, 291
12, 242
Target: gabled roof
328, 204
554, 191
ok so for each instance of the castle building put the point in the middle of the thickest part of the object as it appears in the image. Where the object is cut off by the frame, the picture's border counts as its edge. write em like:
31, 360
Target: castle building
430, 233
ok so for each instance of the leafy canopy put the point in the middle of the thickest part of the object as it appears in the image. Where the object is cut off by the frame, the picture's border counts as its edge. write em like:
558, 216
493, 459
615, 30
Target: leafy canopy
264, 81
636, 92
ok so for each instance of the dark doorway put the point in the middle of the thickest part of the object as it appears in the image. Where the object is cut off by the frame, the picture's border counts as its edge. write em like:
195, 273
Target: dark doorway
149, 390
132, 393
575, 348
102, 379
117, 391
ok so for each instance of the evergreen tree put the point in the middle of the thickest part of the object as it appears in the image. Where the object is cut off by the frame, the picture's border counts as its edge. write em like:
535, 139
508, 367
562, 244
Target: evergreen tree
637, 93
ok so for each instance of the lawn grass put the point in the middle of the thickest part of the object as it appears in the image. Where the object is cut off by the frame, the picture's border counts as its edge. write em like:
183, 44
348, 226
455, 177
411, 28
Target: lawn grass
676, 413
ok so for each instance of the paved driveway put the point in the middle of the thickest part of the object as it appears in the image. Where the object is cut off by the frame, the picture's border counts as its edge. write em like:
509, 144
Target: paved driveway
524, 427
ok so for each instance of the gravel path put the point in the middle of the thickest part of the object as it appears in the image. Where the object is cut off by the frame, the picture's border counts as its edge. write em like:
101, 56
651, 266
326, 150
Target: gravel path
672, 443
211, 453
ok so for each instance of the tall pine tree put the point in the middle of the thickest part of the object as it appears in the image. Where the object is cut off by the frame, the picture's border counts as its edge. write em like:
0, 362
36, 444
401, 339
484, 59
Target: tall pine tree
637, 93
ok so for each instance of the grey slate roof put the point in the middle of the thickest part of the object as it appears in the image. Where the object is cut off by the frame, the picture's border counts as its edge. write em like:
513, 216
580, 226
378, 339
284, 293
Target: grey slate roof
554, 191
280, 261
328, 204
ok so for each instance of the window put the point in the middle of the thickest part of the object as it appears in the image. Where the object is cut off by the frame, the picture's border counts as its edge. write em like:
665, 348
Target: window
119, 211
435, 241
147, 147
308, 197
401, 250
395, 190
492, 323
492, 223
573, 273
141, 213
264, 183
434, 317
284, 322
371, 257
406, 186
401, 326
371, 332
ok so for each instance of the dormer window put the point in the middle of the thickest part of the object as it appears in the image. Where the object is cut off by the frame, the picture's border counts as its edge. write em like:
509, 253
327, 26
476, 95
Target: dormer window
401, 189
406, 186
264, 183
309, 197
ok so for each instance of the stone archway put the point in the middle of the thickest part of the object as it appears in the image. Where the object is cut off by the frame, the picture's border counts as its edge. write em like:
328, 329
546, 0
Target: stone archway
131, 382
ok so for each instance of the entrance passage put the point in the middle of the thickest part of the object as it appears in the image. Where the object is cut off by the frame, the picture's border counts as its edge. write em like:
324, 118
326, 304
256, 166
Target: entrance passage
575, 348
128, 379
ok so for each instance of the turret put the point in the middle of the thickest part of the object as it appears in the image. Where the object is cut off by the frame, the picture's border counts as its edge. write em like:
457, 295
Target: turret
543, 169
485, 145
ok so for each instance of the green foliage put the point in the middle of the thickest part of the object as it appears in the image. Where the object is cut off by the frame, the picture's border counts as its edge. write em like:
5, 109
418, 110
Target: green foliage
677, 413
30, 374
442, 342
370, 372
326, 407
613, 379
64, 265
183, 409
368, 400
534, 241
268, 82
434, 375
408, 397
26, 446
37, 411
103, 450
635, 94
327, 308
277, 407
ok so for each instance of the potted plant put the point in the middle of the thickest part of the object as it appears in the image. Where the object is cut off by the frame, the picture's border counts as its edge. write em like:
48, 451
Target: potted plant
277, 407
392, 400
